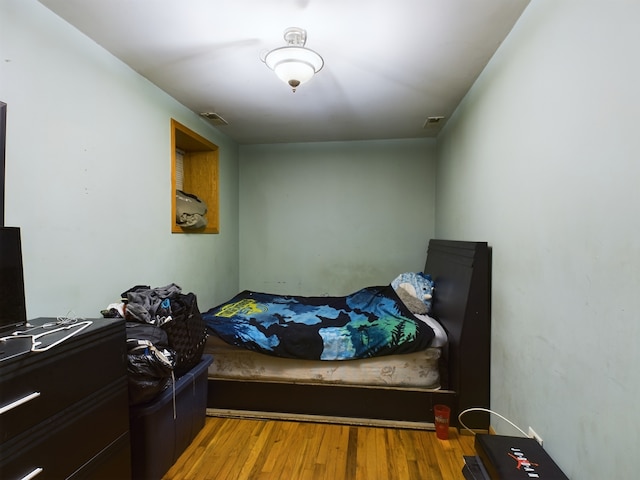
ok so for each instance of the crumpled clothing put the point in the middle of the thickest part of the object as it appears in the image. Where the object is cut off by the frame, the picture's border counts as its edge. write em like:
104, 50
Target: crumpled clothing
150, 305
190, 211
194, 221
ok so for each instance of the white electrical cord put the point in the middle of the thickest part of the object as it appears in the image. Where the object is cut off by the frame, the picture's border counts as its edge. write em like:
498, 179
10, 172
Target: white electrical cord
478, 409
60, 321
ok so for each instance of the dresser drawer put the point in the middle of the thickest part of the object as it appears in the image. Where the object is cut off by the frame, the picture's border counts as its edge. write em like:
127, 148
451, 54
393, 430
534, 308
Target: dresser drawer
112, 463
54, 380
71, 440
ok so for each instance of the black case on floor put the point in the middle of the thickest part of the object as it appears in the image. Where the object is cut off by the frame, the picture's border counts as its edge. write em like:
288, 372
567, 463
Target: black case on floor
516, 458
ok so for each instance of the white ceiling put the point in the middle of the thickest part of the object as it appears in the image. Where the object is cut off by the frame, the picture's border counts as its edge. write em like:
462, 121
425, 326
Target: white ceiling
389, 64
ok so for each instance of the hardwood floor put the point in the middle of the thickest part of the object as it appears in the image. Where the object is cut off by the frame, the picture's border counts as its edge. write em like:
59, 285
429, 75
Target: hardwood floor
233, 449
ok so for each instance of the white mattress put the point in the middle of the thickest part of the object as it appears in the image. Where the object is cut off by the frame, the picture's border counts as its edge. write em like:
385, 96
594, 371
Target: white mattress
412, 370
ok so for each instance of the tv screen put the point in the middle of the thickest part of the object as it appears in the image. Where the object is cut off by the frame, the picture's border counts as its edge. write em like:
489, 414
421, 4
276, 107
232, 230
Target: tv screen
3, 142
13, 311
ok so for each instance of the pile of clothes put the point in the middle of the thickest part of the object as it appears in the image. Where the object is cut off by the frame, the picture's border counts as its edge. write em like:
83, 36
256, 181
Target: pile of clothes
166, 336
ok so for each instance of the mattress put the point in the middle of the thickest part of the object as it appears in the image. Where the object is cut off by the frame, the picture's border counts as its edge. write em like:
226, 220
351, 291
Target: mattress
411, 370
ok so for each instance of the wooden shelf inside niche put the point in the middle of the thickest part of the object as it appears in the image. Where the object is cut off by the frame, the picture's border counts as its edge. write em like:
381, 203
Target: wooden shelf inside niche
200, 175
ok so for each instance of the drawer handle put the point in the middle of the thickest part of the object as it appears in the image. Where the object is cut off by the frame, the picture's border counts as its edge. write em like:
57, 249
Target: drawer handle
19, 402
29, 476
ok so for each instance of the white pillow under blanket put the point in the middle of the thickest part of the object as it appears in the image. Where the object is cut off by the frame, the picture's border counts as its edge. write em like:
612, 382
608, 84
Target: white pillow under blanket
440, 339
415, 289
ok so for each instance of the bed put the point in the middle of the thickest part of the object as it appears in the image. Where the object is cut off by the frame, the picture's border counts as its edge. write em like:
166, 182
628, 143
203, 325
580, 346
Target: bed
396, 389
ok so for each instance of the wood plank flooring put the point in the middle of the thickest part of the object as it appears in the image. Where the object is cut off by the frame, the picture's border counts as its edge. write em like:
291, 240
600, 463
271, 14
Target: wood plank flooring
238, 449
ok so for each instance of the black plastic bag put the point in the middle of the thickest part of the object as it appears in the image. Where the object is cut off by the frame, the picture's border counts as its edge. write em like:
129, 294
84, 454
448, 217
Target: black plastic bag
150, 362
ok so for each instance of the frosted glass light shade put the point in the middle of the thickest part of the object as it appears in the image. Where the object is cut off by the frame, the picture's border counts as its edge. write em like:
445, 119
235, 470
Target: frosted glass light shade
294, 65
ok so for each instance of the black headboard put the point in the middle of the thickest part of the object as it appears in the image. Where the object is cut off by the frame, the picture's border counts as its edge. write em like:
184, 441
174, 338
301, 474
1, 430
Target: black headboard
462, 304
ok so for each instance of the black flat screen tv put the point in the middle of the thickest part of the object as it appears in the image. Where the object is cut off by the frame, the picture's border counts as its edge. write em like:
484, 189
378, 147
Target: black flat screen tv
13, 310
3, 142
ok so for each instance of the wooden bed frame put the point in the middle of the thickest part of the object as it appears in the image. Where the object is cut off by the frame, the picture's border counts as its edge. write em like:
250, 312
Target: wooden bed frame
462, 300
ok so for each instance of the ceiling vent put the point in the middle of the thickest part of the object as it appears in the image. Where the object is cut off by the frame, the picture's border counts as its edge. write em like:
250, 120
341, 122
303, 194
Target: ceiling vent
214, 118
432, 122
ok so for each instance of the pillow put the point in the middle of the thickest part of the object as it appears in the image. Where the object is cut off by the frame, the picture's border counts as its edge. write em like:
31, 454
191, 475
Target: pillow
415, 305
415, 290
440, 339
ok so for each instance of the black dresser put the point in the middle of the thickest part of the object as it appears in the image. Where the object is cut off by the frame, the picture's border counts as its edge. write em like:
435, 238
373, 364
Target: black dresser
64, 411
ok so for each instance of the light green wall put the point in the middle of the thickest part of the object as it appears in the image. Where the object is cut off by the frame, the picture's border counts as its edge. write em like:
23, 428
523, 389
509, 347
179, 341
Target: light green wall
331, 218
542, 160
88, 174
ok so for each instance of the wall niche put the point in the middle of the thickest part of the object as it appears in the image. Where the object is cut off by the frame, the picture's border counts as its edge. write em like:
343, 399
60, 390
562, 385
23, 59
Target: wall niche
194, 170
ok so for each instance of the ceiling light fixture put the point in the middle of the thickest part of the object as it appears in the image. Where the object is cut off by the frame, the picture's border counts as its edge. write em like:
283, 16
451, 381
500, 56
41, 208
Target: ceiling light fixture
294, 64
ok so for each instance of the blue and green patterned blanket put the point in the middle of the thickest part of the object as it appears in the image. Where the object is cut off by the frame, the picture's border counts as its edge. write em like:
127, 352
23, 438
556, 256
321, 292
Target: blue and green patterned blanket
370, 322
